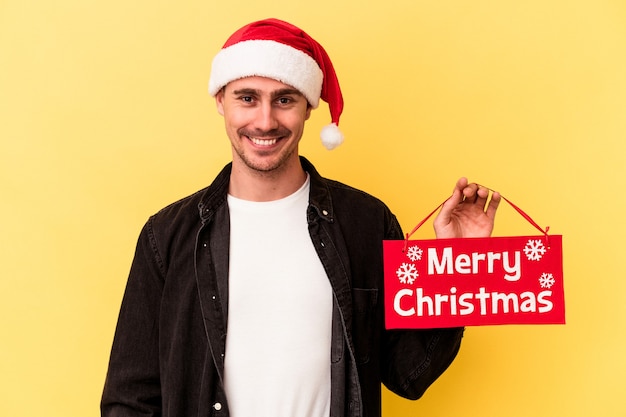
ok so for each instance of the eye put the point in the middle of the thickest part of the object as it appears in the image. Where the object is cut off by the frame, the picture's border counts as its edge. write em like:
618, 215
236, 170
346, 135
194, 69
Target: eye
284, 100
246, 99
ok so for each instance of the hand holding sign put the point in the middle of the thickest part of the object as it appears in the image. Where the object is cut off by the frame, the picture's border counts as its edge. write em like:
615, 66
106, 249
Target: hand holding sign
467, 278
466, 213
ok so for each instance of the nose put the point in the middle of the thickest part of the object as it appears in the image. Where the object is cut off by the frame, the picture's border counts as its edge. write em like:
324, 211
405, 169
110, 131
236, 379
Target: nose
265, 118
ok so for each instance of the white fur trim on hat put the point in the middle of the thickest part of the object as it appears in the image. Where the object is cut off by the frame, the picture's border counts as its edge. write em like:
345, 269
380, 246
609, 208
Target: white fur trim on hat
269, 59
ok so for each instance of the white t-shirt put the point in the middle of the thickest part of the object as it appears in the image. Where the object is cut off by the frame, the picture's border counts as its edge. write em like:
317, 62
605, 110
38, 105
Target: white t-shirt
277, 360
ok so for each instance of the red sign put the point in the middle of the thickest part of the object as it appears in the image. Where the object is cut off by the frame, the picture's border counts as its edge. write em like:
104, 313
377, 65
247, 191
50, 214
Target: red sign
473, 282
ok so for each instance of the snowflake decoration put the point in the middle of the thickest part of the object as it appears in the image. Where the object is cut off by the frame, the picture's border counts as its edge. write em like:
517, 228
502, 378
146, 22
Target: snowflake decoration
546, 280
407, 273
534, 250
414, 253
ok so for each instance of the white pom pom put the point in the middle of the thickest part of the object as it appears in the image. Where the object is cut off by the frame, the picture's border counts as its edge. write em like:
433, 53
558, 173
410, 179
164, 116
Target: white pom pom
331, 136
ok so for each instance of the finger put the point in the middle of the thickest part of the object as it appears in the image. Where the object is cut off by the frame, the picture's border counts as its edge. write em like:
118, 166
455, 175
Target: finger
453, 201
470, 193
482, 194
457, 192
493, 205
461, 183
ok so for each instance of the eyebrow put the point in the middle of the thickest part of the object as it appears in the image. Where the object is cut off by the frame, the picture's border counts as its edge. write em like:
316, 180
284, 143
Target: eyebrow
286, 92
276, 93
246, 91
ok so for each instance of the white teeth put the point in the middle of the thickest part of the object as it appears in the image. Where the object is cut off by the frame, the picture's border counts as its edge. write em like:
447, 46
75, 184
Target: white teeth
263, 142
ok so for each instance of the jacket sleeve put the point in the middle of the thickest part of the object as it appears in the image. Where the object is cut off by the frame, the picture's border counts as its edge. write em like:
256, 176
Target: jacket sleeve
413, 359
132, 386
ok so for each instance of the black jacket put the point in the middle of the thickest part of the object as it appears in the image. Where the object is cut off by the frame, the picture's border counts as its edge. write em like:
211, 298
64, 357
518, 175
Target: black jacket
168, 352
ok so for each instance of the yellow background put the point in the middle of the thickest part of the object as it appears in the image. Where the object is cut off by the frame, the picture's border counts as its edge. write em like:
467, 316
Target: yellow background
104, 119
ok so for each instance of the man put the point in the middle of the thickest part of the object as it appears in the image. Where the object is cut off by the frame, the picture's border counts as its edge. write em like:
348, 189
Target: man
261, 295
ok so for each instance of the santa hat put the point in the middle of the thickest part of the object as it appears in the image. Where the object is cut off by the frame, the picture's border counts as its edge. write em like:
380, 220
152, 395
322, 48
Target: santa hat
279, 50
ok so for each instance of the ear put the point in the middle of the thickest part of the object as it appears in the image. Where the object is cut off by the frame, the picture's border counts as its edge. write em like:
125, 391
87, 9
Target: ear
308, 111
219, 101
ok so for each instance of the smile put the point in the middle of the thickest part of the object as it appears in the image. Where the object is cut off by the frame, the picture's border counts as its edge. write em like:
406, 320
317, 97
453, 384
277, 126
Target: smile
263, 142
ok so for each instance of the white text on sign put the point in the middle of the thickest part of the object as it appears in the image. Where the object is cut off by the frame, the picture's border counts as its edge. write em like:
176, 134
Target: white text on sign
472, 264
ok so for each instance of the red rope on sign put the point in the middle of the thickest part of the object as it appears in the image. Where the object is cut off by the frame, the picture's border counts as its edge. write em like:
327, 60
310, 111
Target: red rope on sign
408, 235
519, 210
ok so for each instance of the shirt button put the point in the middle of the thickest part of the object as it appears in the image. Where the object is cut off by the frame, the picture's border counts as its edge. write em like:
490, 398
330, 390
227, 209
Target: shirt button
217, 406
324, 212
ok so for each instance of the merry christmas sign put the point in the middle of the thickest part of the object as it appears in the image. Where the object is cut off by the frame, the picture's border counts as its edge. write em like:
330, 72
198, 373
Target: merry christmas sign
473, 281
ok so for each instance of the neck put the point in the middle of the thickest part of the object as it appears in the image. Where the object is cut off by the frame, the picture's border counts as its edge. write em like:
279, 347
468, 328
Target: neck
253, 185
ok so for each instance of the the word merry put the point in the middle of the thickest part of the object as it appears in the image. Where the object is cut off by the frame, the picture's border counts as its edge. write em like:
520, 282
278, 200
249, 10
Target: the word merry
473, 263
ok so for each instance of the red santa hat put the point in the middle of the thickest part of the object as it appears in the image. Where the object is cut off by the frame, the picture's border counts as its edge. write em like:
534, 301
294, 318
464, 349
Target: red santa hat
279, 50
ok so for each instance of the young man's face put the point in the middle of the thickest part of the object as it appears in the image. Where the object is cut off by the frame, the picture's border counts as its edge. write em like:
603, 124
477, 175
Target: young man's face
264, 121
